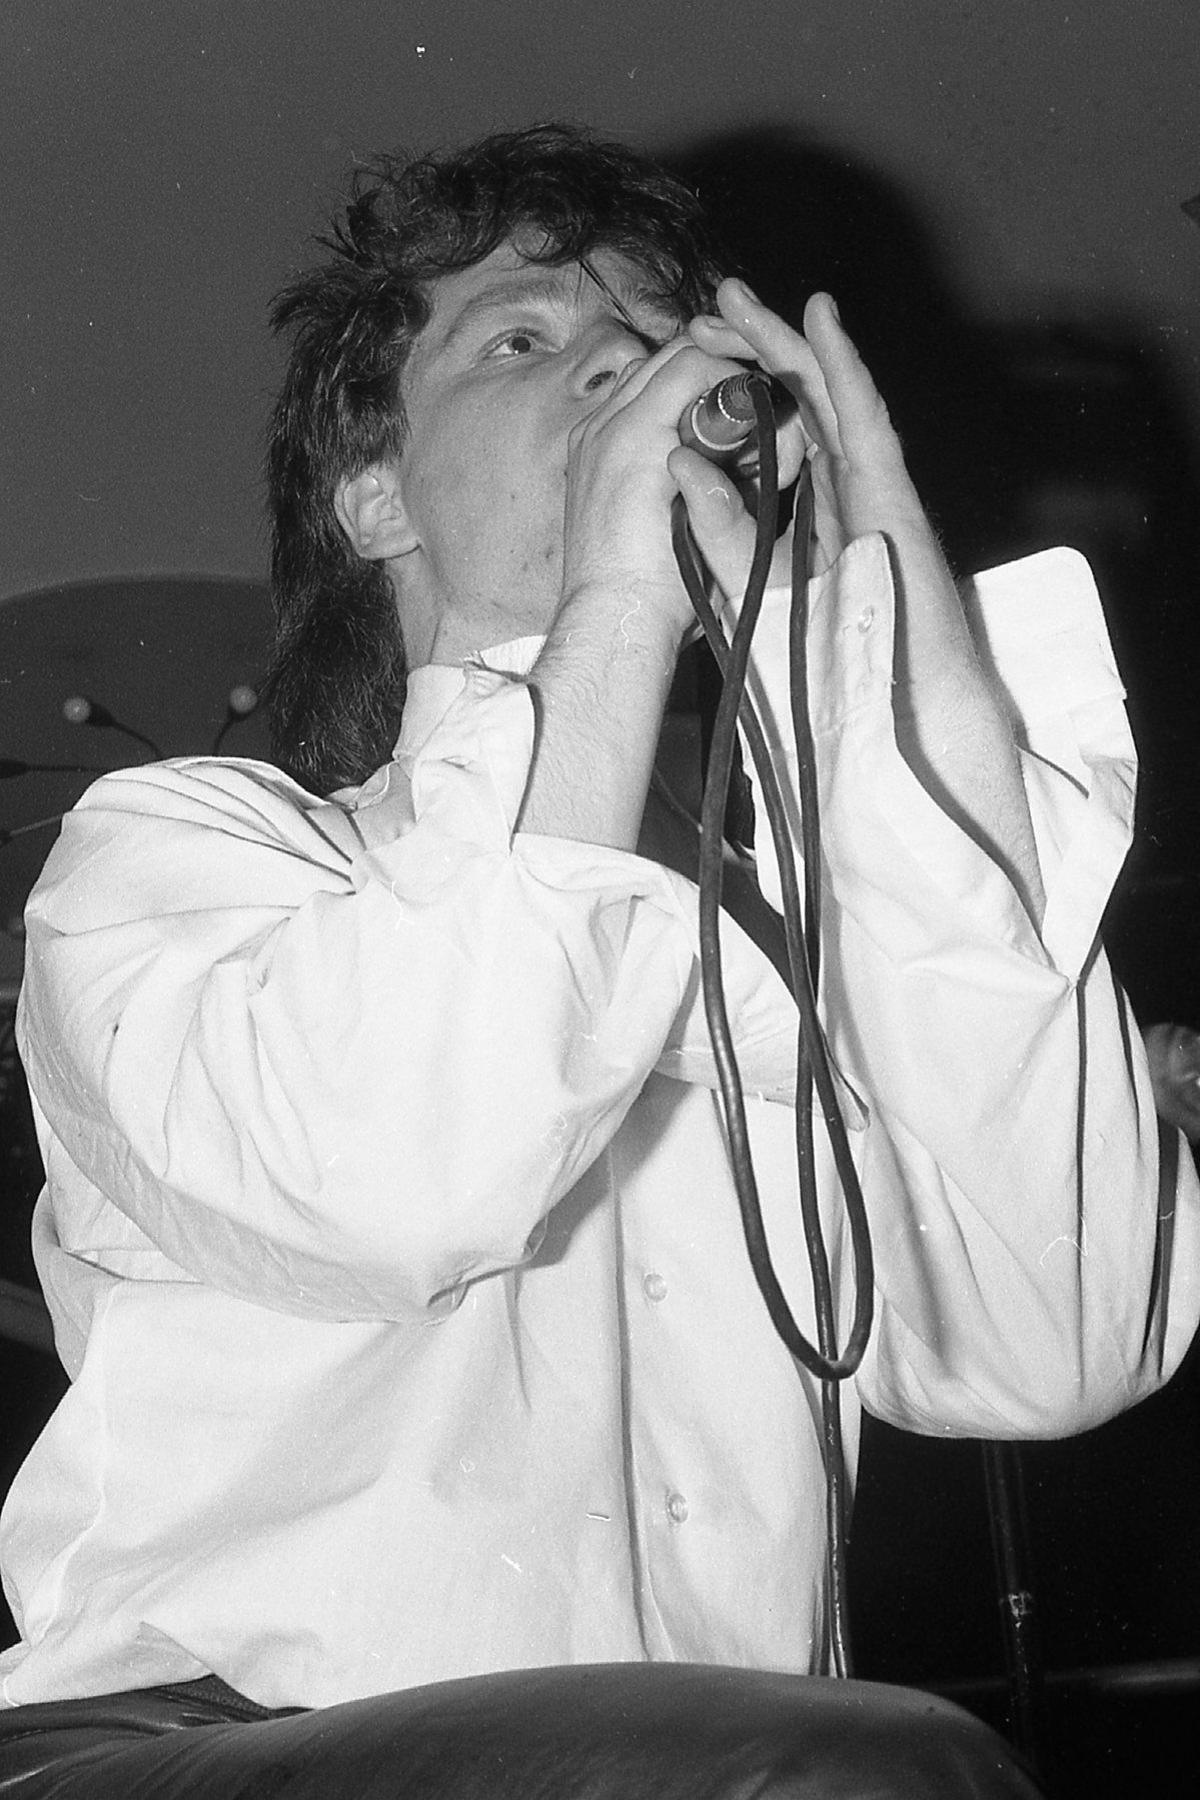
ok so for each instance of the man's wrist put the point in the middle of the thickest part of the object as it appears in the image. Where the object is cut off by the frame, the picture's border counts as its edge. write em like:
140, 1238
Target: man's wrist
632, 614
600, 687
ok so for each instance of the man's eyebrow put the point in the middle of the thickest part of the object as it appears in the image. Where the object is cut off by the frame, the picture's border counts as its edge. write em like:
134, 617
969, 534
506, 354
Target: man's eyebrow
536, 287
557, 283
598, 280
638, 293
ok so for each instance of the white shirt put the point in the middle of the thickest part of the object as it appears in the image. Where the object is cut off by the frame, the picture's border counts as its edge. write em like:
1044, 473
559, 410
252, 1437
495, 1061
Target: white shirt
389, 1235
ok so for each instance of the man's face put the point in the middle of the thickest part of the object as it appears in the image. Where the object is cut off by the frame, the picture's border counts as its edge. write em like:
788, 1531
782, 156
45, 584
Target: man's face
514, 354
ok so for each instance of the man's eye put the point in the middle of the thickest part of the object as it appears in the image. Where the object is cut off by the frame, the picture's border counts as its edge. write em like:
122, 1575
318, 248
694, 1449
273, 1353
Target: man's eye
514, 343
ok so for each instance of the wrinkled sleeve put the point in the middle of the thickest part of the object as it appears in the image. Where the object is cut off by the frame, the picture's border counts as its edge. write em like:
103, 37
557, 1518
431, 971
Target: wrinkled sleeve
338, 1062
1035, 1235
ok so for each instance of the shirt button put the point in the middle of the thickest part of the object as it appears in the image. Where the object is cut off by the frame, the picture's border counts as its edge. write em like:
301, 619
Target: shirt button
677, 1508
866, 618
654, 1286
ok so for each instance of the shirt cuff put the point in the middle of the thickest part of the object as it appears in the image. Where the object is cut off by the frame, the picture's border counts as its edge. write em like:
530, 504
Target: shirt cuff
1041, 632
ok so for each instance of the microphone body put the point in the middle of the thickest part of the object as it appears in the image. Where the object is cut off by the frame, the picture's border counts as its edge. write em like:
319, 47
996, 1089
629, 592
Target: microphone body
721, 421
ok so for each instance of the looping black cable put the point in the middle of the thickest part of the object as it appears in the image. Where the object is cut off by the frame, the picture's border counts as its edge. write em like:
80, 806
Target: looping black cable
801, 918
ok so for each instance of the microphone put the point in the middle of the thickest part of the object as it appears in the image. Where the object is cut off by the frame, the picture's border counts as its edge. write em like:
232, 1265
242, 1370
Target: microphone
723, 419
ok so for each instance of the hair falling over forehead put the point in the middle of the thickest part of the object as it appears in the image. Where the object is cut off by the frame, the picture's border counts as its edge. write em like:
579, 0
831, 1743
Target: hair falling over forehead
336, 686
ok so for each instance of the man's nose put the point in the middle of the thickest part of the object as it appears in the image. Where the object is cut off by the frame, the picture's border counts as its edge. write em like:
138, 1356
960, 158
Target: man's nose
612, 348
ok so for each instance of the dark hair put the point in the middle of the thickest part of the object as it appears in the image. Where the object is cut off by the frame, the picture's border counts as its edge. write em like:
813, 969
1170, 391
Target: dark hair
336, 684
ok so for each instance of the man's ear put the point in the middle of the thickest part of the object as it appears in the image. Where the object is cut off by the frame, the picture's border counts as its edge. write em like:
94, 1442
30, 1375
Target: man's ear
370, 510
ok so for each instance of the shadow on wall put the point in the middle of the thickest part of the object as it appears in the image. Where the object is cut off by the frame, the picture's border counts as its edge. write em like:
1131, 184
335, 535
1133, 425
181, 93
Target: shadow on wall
1057, 430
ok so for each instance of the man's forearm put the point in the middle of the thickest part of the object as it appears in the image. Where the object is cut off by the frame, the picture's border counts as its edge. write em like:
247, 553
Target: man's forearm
600, 688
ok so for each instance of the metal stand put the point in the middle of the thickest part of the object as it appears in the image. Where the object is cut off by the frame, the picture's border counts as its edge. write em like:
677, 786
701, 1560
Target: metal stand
1018, 1615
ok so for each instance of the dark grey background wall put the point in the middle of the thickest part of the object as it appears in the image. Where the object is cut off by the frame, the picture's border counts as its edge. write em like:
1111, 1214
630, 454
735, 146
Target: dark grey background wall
163, 161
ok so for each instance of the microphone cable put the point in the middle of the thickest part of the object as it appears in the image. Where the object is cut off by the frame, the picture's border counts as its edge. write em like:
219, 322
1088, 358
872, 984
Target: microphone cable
801, 920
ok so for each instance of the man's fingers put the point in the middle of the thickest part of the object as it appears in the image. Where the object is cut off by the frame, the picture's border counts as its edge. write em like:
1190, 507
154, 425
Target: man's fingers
840, 406
716, 337
864, 427
786, 354
794, 434
721, 526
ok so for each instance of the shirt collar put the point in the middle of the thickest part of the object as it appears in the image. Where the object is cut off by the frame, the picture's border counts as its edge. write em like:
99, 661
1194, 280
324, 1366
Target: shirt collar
433, 689
430, 692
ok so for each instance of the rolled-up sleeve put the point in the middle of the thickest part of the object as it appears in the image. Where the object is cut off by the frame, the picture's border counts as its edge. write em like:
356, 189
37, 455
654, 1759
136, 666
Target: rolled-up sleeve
1036, 1237
339, 1062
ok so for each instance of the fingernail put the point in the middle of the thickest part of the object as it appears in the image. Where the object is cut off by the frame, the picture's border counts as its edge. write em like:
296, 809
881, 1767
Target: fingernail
743, 290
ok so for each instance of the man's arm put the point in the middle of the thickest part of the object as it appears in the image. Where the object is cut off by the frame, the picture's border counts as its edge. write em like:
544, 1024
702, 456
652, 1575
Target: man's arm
602, 680
331, 1063
951, 725
1035, 1241
600, 689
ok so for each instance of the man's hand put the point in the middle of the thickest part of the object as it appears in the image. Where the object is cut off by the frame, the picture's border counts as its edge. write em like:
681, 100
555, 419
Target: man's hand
950, 725
602, 680
616, 527
860, 481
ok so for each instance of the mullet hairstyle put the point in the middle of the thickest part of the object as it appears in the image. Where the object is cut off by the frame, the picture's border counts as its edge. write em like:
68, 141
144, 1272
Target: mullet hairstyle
335, 687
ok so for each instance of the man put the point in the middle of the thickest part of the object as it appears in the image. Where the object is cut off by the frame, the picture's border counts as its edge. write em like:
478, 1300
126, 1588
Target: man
389, 1227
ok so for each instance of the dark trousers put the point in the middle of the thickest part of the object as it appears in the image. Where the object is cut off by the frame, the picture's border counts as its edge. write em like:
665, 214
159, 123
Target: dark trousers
608, 1732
